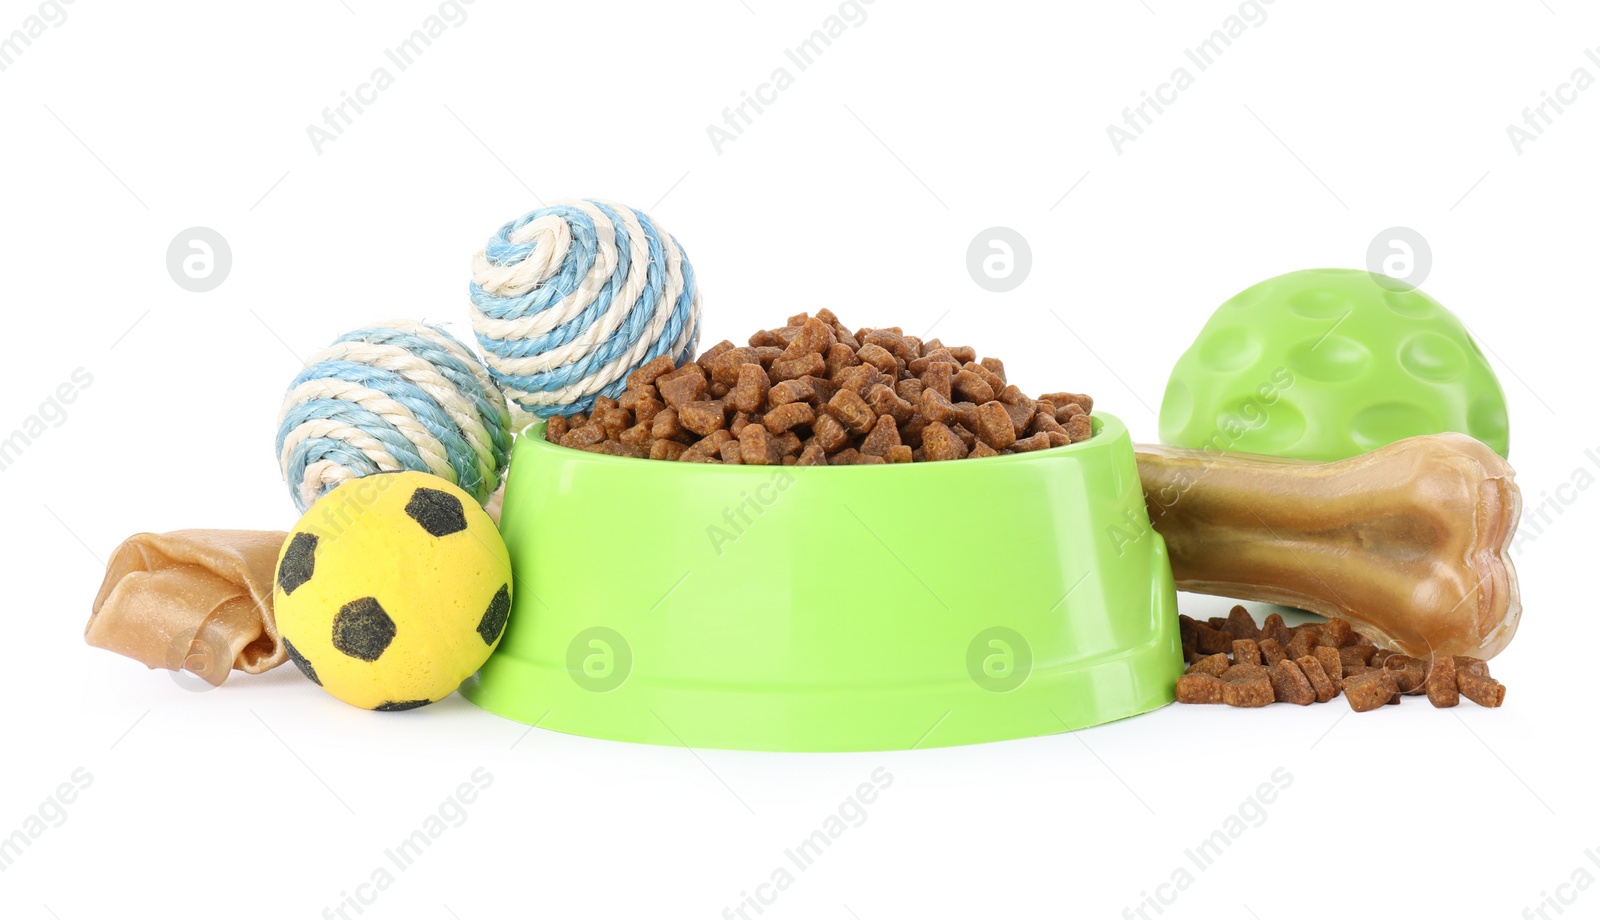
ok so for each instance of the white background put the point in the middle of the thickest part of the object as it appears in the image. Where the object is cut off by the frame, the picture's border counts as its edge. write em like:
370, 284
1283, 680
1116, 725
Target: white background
858, 190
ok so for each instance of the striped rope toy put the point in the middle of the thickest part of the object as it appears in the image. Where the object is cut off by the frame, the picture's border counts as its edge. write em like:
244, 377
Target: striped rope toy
393, 396
571, 298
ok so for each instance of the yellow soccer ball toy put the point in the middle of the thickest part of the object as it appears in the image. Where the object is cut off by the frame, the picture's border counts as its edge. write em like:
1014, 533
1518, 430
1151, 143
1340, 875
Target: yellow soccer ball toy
392, 590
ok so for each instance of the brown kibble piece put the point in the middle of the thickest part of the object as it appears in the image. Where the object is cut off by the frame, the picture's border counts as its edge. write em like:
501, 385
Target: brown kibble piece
1336, 633
1409, 673
753, 446
702, 417
830, 433
1046, 422
1273, 628
1066, 399
937, 408
996, 367
1240, 624
994, 426
679, 390
937, 378
1244, 671
1485, 691
1302, 642
611, 419
652, 371
646, 408
1370, 689
812, 339
1079, 428
986, 375
584, 436
792, 391
663, 449
1441, 686
793, 368
909, 389
1199, 688
1208, 640
858, 379
900, 453
813, 455
879, 357
1331, 666
1289, 684
1320, 682
782, 418
1352, 656
1245, 651
936, 355
885, 401
973, 387
968, 439
839, 358
1031, 443
883, 437
712, 354
555, 429
1472, 665
940, 443
1249, 694
852, 411
786, 443
1020, 416
750, 393
1271, 651
1215, 665
665, 424
637, 436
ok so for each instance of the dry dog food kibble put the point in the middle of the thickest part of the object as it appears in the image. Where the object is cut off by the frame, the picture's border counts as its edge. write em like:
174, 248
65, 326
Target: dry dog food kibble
813, 393
1233, 662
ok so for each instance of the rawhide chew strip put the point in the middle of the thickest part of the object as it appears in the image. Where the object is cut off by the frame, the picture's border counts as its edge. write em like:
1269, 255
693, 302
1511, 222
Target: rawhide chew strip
195, 600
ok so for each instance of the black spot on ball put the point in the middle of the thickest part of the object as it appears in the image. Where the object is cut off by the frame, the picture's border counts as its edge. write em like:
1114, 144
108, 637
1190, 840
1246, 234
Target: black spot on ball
439, 513
400, 706
301, 662
299, 560
494, 619
362, 629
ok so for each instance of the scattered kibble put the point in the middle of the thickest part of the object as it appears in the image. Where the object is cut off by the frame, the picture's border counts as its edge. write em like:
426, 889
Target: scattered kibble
1233, 662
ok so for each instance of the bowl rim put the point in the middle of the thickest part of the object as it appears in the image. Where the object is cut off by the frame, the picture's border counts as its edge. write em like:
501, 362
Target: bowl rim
1107, 430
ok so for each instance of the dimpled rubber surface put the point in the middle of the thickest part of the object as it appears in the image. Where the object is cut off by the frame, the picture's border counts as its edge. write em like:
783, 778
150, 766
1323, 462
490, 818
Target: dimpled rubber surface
1324, 364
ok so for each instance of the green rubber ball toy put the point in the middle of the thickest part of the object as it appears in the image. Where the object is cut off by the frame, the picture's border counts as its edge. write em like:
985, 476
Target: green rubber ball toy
1328, 363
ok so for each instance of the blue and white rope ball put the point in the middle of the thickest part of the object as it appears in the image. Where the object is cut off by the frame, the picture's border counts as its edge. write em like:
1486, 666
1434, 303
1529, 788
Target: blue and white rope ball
393, 396
570, 299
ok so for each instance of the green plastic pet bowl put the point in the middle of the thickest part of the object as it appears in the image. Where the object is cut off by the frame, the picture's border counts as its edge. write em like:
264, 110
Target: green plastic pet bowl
831, 608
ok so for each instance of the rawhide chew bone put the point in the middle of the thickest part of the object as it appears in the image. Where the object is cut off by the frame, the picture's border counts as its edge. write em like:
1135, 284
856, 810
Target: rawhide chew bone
1407, 542
195, 600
